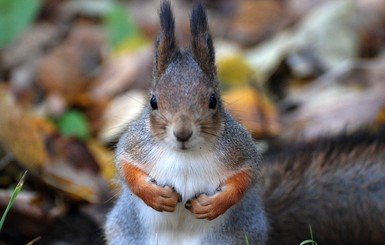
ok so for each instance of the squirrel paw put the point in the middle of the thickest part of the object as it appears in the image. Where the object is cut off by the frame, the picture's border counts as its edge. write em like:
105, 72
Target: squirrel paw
228, 194
160, 198
208, 207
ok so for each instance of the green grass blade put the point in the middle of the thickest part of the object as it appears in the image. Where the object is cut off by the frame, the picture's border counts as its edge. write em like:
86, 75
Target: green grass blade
311, 241
16, 192
246, 240
308, 242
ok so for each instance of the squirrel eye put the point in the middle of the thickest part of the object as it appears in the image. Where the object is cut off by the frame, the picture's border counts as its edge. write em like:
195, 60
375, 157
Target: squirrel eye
213, 102
154, 103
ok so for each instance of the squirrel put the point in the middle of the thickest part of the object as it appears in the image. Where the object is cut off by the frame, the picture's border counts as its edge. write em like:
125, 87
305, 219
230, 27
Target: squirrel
191, 174
188, 170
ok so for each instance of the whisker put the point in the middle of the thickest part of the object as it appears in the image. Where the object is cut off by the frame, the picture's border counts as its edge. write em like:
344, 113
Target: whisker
159, 135
163, 117
202, 118
209, 133
209, 124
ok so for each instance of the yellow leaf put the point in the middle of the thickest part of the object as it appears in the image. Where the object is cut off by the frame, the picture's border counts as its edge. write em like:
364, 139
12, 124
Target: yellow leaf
19, 134
233, 70
105, 159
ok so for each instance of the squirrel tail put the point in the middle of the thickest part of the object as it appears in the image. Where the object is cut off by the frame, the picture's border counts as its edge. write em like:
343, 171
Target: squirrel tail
336, 185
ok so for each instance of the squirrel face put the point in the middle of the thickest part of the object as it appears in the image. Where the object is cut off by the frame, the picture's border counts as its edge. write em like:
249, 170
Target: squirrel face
186, 111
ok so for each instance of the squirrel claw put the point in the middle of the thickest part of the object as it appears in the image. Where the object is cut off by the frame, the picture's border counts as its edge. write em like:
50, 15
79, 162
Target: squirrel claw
200, 194
152, 180
188, 204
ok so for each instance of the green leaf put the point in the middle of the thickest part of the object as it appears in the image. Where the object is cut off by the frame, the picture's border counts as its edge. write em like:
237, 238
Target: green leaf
120, 26
73, 123
15, 193
15, 16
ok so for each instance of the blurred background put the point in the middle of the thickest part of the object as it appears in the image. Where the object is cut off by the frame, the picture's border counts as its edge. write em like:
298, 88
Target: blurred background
73, 73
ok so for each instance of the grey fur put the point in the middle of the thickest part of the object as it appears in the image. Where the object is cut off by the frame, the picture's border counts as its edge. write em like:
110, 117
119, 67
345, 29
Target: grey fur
123, 224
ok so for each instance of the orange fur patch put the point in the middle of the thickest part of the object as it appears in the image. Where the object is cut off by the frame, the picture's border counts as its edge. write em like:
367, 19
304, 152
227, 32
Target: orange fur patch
157, 197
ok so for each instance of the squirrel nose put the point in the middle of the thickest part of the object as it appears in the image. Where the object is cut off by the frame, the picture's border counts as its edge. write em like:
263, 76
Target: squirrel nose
183, 135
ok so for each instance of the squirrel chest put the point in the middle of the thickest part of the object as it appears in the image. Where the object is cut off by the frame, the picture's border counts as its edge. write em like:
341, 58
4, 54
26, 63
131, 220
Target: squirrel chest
190, 172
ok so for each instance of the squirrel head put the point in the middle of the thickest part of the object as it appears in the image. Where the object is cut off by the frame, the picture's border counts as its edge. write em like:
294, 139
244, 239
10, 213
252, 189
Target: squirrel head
186, 111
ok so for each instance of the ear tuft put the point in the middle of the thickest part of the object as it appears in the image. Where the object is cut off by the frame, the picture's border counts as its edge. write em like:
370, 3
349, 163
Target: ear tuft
167, 22
165, 46
202, 45
198, 21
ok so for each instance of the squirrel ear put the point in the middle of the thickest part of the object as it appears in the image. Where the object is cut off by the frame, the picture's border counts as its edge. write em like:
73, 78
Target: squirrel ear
202, 44
165, 47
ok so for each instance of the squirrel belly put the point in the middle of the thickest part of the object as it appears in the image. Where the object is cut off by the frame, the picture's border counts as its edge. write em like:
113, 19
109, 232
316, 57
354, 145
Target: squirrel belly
189, 173
178, 227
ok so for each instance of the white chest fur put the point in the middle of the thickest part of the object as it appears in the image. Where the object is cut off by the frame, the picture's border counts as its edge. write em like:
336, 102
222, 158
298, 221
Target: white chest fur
190, 173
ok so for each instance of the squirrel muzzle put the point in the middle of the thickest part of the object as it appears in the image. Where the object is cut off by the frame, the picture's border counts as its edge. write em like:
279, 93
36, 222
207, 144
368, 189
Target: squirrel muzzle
182, 127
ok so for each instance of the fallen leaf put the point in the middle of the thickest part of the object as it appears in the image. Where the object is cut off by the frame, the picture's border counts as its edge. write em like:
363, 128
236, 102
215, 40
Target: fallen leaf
19, 134
346, 98
254, 20
326, 37
233, 70
82, 54
329, 32
253, 110
79, 184
121, 111
121, 72
14, 18
105, 159
381, 116
73, 123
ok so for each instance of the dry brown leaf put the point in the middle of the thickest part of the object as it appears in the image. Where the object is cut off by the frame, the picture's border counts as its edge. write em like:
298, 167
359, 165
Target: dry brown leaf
19, 134
253, 110
79, 184
381, 116
255, 20
66, 167
68, 69
123, 72
105, 159
346, 98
